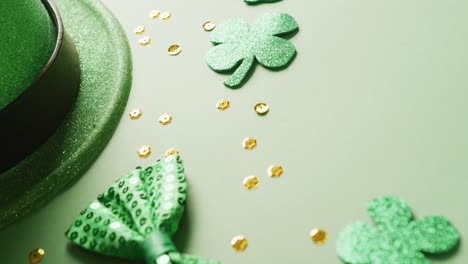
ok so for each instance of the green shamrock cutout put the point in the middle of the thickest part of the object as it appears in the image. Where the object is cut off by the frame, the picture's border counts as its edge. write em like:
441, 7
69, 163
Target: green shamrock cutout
254, 2
397, 238
238, 46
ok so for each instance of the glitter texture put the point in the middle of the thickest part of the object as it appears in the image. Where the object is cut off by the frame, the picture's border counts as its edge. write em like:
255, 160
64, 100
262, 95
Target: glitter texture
397, 238
105, 86
28, 38
137, 216
238, 46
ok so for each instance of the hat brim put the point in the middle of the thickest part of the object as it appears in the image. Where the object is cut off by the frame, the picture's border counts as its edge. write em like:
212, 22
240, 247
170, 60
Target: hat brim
106, 76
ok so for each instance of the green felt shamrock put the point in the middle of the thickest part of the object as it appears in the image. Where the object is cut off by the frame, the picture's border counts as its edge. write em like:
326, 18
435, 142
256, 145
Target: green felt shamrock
137, 216
253, 2
397, 238
238, 46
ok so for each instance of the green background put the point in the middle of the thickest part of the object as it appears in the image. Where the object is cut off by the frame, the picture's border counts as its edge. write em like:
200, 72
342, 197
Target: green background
374, 104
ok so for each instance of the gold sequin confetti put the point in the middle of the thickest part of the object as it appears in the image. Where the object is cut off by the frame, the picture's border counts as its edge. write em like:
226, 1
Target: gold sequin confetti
318, 236
144, 41
154, 14
36, 255
249, 143
170, 152
275, 171
174, 50
209, 26
165, 119
251, 182
239, 243
139, 30
144, 151
135, 114
261, 108
223, 104
165, 15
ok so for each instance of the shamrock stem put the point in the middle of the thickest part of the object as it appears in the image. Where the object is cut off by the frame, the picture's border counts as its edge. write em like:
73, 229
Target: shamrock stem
239, 76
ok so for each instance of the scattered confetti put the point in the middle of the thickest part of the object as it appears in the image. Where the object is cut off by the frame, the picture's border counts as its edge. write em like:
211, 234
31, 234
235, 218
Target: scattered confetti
135, 114
165, 119
239, 243
275, 171
139, 30
397, 238
249, 143
238, 46
165, 15
36, 255
209, 26
144, 41
144, 151
170, 152
251, 182
174, 50
318, 236
154, 14
223, 104
261, 108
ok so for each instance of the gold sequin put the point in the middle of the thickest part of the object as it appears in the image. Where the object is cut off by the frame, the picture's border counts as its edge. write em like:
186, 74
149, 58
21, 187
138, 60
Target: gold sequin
239, 243
261, 108
139, 30
135, 114
251, 182
275, 171
174, 50
144, 41
209, 26
144, 151
318, 236
165, 119
223, 104
36, 255
171, 151
249, 143
165, 15
154, 14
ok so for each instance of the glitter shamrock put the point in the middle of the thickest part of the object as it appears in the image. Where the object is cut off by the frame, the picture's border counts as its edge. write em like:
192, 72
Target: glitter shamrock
397, 238
238, 46
254, 2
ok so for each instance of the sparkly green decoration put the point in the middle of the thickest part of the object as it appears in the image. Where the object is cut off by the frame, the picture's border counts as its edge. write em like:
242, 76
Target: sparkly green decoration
254, 2
137, 216
238, 46
397, 238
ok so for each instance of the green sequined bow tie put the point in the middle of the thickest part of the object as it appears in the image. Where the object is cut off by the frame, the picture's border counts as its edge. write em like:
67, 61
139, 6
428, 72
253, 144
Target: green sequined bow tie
137, 216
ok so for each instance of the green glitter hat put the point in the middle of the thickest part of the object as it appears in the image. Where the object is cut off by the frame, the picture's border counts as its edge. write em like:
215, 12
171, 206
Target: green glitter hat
61, 98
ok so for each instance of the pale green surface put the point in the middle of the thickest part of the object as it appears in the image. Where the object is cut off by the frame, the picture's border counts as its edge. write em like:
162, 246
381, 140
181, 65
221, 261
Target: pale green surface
374, 103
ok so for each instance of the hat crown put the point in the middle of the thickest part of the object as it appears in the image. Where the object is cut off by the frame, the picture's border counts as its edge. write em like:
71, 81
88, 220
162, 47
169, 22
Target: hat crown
28, 38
